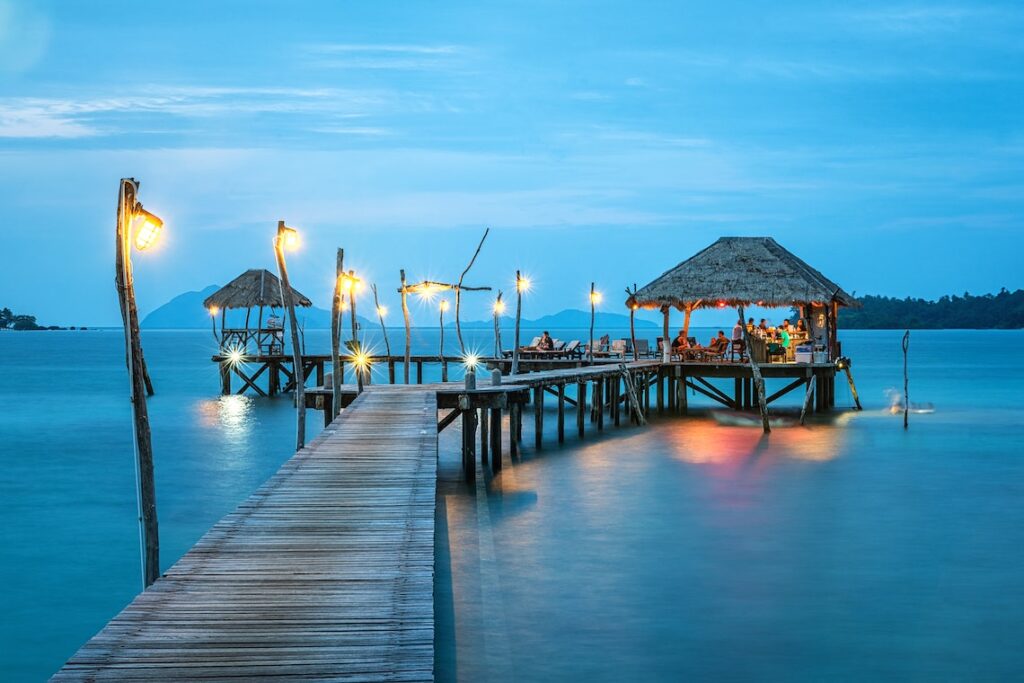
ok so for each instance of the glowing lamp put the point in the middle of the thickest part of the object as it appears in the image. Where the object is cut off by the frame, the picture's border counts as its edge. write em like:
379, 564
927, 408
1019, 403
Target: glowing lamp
523, 284
361, 360
346, 282
471, 360
499, 307
444, 305
382, 311
214, 310
147, 229
721, 304
236, 356
595, 297
289, 239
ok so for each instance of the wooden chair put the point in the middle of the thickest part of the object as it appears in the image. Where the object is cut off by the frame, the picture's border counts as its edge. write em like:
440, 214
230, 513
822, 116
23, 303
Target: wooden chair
773, 351
738, 350
572, 349
718, 351
643, 348
618, 348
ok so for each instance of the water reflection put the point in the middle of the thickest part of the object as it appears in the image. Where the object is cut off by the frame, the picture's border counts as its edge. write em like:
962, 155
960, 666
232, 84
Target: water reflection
233, 415
706, 442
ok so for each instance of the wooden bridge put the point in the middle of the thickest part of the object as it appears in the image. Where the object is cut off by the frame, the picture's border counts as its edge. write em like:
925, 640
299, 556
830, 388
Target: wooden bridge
325, 573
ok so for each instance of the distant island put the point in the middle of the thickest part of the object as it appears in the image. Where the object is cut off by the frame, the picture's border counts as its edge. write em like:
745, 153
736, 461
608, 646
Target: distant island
1004, 310
21, 322
186, 312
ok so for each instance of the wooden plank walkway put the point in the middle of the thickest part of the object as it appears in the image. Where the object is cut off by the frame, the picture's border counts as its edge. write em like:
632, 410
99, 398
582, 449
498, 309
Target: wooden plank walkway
324, 573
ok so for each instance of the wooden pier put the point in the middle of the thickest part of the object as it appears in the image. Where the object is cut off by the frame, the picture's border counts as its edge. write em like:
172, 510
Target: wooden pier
324, 573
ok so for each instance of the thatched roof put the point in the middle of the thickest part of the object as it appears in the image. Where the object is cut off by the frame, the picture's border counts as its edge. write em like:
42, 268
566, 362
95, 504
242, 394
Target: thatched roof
741, 270
253, 288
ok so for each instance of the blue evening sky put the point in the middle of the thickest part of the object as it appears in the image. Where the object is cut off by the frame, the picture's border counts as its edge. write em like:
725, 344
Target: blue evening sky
882, 142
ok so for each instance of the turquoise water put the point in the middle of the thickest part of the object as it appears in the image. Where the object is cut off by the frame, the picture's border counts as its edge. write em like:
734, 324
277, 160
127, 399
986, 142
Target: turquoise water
851, 550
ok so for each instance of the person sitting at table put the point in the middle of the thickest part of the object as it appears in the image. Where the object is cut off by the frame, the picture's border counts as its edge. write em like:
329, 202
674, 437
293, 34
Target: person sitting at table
751, 326
784, 334
737, 329
546, 343
763, 328
801, 327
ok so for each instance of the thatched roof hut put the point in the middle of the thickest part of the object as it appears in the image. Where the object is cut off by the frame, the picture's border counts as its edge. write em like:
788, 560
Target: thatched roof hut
741, 271
254, 288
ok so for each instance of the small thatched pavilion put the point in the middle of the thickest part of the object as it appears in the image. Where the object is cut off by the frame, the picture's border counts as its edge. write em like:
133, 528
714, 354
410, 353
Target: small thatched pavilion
744, 271
255, 288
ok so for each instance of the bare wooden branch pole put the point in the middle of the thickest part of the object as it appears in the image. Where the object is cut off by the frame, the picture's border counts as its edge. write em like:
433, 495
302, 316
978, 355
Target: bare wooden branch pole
906, 381
499, 308
458, 292
404, 291
149, 535
592, 304
380, 317
632, 320
762, 404
289, 304
336, 373
519, 311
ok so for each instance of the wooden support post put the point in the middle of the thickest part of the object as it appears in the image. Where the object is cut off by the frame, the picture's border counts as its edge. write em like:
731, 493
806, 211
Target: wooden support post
561, 413
906, 380
384, 332
616, 387
515, 416
581, 406
659, 391
683, 399
458, 293
495, 439
225, 377
538, 416
274, 379
738, 393
391, 370
519, 310
419, 372
671, 390
484, 437
469, 445
599, 403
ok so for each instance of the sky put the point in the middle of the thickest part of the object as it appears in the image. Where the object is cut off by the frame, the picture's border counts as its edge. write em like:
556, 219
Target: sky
881, 142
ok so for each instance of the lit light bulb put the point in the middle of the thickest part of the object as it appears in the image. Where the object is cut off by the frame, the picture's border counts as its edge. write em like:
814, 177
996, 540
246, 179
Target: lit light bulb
523, 284
499, 307
147, 229
444, 305
471, 360
214, 310
595, 297
290, 239
382, 311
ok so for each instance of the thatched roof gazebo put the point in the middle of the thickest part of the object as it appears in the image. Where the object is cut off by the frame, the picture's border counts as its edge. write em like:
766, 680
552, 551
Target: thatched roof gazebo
255, 288
744, 271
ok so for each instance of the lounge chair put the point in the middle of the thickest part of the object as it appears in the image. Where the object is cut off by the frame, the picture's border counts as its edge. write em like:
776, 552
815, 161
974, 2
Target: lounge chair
717, 351
572, 349
643, 348
618, 348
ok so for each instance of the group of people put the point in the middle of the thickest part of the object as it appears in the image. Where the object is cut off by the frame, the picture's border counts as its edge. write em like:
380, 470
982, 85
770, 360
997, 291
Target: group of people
785, 335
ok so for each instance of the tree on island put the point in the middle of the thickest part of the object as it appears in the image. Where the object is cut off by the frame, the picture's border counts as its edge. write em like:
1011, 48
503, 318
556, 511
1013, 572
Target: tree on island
6, 318
1004, 310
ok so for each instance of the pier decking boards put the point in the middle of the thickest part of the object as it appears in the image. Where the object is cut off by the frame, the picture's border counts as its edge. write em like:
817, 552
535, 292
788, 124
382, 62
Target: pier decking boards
324, 573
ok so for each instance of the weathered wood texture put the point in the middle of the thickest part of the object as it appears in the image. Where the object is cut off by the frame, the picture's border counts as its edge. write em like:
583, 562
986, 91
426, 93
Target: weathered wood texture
324, 573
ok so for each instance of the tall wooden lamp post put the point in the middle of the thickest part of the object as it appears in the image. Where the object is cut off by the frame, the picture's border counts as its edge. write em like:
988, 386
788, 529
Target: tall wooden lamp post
138, 227
595, 299
522, 285
288, 238
499, 308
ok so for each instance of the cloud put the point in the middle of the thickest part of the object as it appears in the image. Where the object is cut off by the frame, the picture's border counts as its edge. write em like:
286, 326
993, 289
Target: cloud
91, 116
924, 19
381, 56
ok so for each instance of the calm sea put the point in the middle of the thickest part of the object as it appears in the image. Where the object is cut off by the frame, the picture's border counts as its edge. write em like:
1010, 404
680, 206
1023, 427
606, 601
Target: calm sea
846, 550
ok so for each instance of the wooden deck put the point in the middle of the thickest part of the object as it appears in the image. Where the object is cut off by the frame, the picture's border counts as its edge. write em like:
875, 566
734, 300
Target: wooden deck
324, 573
